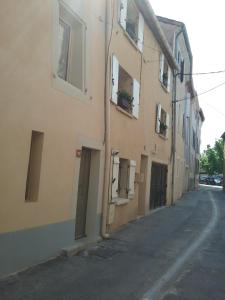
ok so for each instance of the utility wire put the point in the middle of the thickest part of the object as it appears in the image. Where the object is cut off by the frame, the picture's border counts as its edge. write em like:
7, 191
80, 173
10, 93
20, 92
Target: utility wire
113, 26
204, 73
213, 107
200, 94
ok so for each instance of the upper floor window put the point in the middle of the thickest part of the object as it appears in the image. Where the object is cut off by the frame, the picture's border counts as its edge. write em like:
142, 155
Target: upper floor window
165, 72
125, 89
162, 121
132, 21
71, 47
180, 62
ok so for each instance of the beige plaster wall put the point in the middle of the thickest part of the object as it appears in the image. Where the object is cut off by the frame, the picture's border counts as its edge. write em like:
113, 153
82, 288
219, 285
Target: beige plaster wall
30, 100
134, 137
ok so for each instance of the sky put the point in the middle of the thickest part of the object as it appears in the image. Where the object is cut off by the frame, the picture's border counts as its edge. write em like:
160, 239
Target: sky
205, 23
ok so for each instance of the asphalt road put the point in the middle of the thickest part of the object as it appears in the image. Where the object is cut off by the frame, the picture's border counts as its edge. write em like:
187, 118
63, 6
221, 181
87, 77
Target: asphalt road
175, 253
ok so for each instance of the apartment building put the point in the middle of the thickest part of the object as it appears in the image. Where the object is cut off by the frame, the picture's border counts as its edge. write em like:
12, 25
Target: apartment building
140, 96
52, 128
92, 132
187, 129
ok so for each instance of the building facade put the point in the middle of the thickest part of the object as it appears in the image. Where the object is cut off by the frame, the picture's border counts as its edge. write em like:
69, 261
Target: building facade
52, 128
93, 131
141, 68
186, 110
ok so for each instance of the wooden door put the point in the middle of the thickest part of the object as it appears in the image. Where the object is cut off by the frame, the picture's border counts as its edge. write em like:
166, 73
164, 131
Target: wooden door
82, 196
158, 185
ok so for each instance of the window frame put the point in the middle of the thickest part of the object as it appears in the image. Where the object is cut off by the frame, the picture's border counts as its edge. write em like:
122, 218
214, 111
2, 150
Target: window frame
129, 181
140, 25
59, 83
162, 62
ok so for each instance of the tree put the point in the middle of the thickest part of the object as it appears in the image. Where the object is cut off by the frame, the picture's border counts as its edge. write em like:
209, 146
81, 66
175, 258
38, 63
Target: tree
211, 160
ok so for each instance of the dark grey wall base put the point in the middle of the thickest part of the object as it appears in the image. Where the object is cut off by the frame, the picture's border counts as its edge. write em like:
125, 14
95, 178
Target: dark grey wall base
24, 248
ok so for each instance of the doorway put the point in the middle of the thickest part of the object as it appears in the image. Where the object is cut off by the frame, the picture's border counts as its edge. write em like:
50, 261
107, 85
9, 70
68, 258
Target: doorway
82, 195
158, 185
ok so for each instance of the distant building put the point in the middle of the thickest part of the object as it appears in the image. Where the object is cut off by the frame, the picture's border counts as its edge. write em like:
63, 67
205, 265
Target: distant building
223, 137
186, 110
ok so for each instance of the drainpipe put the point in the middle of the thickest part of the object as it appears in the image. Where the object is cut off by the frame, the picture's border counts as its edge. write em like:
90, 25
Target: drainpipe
106, 142
174, 118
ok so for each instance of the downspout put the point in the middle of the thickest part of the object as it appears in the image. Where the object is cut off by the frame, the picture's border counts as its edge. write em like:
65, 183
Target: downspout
174, 119
106, 142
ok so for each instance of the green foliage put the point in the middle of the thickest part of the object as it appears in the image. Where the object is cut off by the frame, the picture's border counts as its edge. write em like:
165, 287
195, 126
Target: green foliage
211, 161
123, 94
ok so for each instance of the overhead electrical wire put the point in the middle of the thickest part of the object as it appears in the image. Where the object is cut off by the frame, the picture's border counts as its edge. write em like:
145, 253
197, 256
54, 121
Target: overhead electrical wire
205, 92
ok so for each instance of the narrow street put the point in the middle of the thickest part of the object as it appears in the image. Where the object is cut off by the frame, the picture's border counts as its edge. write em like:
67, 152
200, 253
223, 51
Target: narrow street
174, 253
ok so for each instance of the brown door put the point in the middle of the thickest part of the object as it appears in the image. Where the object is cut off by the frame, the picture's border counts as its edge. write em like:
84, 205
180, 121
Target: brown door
158, 185
82, 196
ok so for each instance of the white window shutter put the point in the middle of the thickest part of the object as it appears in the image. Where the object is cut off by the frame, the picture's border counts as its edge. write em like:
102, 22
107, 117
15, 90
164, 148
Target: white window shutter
115, 176
136, 96
123, 13
131, 179
141, 25
161, 66
167, 125
115, 78
158, 117
169, 80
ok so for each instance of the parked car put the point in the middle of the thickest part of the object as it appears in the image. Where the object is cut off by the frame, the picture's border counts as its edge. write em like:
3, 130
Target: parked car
202, 179
210, 180
218, 180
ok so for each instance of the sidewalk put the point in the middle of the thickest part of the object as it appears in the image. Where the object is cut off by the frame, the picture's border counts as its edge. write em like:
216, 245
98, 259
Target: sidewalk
124, 266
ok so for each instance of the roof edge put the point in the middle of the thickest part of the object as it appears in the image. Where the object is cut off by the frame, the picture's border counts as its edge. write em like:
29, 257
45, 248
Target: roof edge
154, 25
179, 24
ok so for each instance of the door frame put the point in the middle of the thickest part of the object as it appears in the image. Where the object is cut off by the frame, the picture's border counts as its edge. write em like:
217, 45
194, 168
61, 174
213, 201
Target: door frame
94, 207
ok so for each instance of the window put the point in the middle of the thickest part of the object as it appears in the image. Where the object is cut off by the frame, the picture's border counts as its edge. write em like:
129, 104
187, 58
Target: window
34, 166
123, 177
125, 89
71, 47
165, 72
193, 139
162, 121
183, 127
180, 62
132, 21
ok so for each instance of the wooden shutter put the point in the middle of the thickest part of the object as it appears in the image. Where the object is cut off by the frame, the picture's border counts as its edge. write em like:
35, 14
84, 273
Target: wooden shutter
115, 78
167, 124
169, 79
158, 117
161, 66
115, 176
131, 178
136, 96
141, 25
123, 13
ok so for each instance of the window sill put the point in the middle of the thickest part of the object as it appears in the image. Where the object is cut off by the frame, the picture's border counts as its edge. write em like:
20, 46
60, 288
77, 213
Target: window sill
121, 201
162, 136
69, 89
124, 112
132, 42
164, 87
